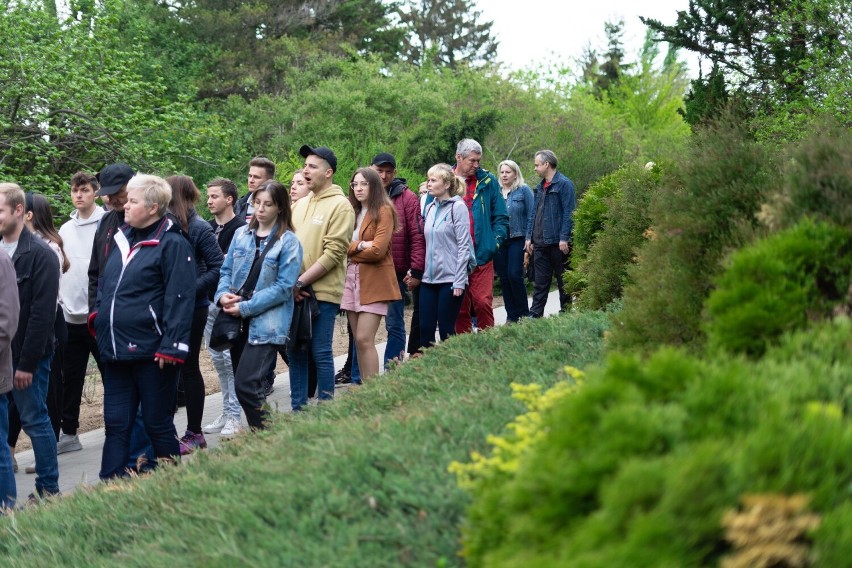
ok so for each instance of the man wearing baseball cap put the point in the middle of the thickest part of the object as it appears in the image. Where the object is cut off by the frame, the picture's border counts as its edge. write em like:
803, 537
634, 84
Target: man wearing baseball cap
324, 222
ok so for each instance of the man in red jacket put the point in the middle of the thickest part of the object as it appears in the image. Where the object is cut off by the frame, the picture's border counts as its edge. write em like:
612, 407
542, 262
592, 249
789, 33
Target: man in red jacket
409, 251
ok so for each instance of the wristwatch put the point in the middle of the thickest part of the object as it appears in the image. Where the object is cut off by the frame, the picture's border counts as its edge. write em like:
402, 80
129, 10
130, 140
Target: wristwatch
300, 284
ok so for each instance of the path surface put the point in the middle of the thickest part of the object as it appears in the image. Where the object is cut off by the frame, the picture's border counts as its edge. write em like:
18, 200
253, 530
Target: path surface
81, 468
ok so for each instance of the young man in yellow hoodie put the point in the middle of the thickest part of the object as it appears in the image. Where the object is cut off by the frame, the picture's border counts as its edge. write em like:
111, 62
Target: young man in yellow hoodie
324, 222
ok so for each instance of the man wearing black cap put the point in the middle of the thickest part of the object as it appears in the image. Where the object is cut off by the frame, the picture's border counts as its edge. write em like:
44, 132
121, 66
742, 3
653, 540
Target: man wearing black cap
409, 251
113, 181
324, 223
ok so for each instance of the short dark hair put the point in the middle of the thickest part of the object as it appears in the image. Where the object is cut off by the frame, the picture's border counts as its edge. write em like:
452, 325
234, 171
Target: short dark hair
265, 163
83, 178
547, 156
229, 188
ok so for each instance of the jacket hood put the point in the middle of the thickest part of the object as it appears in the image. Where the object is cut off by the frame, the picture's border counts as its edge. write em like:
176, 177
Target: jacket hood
332, 191
94, 218
396, 187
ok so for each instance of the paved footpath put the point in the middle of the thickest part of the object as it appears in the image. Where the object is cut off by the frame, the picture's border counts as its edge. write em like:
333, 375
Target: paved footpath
81, 468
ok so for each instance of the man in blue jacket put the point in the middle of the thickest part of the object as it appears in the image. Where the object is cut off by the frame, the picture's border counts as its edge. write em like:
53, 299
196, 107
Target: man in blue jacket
549, 231
489, 224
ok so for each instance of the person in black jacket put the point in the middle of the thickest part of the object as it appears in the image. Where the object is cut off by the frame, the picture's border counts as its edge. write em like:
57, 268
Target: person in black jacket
208, 261
142, 321
37, 270
260, 170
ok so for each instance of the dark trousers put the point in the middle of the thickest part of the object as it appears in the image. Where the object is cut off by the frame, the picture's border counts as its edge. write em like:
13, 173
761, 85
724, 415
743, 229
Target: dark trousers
75, 362
193, 382
254, 360
127, 384
438, 307
549, 262
414, 336
509, 266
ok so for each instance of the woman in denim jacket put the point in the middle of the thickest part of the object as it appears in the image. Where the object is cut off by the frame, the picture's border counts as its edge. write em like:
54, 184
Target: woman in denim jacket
509, 259
269, 310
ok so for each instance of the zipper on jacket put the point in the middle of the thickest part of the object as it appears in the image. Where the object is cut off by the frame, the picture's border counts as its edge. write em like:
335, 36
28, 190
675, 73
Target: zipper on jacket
112, 310
154, 315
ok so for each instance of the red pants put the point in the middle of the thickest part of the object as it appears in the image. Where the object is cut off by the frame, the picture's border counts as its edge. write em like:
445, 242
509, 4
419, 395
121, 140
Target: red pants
479, 294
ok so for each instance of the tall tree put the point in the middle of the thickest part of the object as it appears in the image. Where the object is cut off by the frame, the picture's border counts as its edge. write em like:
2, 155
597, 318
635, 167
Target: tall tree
446, 32
604, 75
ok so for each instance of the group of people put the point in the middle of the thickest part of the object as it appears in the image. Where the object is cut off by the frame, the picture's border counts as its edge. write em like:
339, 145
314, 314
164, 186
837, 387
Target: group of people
139, 283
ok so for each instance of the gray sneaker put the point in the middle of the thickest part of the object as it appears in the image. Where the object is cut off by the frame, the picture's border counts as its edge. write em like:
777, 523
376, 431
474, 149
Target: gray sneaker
67, 443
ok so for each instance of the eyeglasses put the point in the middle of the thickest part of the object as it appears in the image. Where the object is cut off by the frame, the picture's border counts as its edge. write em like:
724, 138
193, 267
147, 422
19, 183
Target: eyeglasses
364, 184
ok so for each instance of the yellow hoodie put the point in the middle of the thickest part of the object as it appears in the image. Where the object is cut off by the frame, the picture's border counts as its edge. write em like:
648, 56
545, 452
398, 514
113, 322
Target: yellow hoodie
324, 224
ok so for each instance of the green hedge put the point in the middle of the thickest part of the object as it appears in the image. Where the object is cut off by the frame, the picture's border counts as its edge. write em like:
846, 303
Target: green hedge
639, 466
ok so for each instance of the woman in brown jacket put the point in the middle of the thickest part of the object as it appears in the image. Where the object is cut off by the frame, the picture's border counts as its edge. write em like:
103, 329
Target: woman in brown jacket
370, 276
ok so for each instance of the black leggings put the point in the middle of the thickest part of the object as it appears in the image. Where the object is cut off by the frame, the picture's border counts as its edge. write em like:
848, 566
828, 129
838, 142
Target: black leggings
193, 381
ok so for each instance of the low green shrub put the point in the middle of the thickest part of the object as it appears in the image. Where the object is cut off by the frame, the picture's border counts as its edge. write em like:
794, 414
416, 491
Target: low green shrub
640, 464
778, 284
603, 268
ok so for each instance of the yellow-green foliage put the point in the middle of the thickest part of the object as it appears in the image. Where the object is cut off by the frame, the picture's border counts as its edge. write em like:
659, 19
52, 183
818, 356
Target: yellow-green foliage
639, 466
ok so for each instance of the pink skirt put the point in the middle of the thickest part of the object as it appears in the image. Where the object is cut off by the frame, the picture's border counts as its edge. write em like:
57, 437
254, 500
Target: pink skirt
352, 294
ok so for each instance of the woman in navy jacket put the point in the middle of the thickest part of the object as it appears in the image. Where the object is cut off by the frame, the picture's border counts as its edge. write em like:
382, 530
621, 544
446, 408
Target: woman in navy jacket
208, 261
142, 321
509, 258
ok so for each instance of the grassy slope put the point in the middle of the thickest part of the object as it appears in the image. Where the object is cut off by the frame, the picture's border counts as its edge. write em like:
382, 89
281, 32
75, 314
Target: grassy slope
360, 482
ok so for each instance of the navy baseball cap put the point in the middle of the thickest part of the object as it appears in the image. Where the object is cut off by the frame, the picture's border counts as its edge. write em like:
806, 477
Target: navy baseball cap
384, 158
113, 177
321, 151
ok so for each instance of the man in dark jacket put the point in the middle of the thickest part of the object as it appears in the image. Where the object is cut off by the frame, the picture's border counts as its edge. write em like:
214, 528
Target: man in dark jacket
37, 271
260, 170
549, 231
9, 309
147, 300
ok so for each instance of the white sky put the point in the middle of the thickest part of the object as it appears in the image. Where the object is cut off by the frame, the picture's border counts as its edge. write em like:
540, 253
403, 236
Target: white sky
558, 30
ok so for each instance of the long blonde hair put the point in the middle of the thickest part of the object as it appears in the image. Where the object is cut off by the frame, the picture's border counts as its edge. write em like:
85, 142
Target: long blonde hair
445, 172
519, 177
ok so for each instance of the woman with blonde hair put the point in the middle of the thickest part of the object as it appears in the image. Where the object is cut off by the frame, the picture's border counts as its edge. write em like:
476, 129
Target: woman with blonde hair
448, 254
509, 259
370, 276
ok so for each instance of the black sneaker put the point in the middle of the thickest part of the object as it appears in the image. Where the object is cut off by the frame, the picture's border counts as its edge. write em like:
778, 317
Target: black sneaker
268, 387
343, 377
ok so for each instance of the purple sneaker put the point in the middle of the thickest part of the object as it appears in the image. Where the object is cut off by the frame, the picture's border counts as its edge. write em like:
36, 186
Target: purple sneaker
191, 441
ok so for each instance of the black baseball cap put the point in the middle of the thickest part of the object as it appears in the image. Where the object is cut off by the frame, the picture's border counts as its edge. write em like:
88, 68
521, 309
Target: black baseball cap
384, 158
321, 151
113, 177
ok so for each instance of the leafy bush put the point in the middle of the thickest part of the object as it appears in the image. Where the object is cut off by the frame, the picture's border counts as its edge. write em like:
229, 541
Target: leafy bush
603, 268
705, 208
639, 465
777, 284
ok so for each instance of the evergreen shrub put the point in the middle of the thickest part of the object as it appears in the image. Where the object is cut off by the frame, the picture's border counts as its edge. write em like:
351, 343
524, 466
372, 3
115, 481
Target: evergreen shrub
778, 284
645, 461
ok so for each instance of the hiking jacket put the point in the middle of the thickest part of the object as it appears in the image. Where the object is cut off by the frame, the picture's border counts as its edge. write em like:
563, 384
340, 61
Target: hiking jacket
78, 235
10, 308
557, 216
409, 245
147, 297
37, 272
208, 258
324, 224
376, 271
447, 231
270, 308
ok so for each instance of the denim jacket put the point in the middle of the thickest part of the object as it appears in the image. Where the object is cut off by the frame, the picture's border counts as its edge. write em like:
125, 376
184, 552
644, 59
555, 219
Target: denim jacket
520, 205
270, 308
557, 217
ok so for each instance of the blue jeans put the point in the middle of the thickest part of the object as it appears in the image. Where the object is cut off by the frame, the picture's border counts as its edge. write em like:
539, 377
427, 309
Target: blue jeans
224, 368
395, 324
438, 307
509, 266
8, 491
127, 385
32, 406
321, 347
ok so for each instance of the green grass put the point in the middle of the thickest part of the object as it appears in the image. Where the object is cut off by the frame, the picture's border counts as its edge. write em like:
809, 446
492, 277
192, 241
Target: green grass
359, 482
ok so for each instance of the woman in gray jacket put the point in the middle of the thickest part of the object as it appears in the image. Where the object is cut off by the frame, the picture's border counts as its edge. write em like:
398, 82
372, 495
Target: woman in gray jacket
448, 254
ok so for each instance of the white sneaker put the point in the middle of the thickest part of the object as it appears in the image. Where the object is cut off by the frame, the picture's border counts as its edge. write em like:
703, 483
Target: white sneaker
68, 443
216, 426
232, 428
